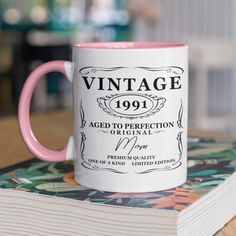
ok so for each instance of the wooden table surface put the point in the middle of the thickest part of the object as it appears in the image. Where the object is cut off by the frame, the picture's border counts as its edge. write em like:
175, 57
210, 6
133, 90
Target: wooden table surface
53, 130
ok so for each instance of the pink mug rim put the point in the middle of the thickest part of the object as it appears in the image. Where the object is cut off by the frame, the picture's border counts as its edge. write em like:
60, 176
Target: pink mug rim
129, 45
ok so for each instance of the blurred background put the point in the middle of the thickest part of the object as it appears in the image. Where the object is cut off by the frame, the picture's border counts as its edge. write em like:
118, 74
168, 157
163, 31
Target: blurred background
36, 31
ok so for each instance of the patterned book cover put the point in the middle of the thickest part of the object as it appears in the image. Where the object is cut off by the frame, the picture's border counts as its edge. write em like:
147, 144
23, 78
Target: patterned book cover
210, 163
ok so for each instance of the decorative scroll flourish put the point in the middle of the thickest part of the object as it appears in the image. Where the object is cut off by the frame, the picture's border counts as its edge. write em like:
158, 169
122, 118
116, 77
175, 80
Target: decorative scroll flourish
103, 131
166, 168
180, 115
92, 69
156, 103
82, 143
170, 69
82, 147
171, 166
159, 131
82, 116
180, 145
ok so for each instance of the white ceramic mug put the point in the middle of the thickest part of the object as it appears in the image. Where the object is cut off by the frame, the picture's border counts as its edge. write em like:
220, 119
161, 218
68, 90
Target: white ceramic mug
129, 112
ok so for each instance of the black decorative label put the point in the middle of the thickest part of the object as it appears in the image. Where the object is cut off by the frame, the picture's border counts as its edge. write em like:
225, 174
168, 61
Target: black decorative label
132, 120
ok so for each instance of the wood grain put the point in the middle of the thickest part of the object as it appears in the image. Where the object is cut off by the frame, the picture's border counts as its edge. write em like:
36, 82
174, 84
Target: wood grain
52, 130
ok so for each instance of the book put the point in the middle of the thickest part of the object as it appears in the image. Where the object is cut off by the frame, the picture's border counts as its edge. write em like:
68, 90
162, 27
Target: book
40, 198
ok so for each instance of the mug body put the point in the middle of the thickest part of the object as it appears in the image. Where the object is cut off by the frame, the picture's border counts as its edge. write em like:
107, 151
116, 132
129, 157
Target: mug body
130, 115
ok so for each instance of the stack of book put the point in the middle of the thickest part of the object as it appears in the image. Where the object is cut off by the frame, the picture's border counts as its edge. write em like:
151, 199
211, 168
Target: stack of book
39, 198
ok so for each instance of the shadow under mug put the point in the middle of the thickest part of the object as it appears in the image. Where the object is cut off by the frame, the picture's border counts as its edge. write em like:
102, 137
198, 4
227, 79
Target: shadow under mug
129, 115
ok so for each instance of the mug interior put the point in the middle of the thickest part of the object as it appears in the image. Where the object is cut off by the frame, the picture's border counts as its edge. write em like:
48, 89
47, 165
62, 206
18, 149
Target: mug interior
129, 45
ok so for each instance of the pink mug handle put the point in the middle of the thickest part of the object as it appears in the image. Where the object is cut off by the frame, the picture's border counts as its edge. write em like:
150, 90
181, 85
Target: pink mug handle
43, 153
